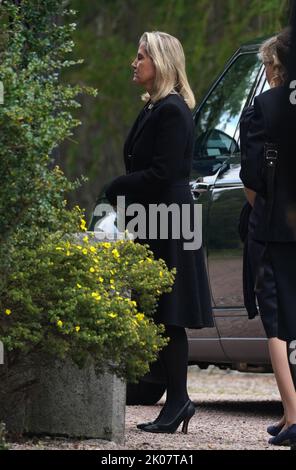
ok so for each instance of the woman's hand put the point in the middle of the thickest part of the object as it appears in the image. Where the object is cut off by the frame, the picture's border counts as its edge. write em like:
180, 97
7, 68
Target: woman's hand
250, 195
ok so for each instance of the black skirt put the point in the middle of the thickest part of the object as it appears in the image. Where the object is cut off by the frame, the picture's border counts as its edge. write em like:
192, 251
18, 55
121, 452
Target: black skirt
189, 303
265, 286
264, 280
273, 265
283, 262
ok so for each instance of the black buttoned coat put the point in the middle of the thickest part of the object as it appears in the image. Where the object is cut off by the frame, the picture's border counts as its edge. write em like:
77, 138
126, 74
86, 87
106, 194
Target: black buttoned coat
158, 156
273, 120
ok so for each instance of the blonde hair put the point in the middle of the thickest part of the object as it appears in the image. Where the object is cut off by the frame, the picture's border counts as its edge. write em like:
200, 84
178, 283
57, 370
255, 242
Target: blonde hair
168, 57
269, 54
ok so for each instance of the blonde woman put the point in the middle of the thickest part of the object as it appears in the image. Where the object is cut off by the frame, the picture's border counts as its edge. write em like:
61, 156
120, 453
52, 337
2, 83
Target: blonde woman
270, 126
158, 156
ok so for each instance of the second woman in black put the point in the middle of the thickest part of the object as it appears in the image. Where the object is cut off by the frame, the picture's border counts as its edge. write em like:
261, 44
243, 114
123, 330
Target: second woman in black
268, 131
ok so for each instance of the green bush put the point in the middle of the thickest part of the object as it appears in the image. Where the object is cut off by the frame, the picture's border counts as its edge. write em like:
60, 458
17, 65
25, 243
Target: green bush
70, 299
56, 296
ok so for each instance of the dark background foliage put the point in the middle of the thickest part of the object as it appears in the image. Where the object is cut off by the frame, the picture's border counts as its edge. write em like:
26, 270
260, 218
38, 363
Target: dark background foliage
107, 38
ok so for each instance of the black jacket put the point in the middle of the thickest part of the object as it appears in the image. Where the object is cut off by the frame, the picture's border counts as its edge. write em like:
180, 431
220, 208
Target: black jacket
157, 152
158, 155
272, 120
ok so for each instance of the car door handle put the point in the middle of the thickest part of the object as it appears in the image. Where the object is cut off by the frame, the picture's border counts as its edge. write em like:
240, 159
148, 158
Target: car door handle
200, 187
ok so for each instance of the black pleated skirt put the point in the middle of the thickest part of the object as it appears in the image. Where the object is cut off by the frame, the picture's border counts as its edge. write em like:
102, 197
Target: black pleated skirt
189, 303
265, 286
273, 266
283, 262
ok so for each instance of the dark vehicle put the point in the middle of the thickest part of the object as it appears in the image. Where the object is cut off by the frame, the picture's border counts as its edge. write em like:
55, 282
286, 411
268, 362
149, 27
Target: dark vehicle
235, 342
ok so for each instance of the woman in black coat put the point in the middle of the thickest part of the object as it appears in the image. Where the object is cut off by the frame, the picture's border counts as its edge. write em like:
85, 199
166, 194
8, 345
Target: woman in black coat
158, 156
267, 139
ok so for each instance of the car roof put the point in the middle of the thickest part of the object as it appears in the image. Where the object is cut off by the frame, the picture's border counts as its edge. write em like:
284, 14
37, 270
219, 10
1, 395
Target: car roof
254, 45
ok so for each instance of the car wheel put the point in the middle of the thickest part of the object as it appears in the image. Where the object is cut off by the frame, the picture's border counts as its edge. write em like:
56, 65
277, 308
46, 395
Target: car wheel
144, 393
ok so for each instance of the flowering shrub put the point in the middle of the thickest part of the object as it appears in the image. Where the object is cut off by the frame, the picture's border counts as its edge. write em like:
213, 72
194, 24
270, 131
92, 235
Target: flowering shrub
55, 295
69, 298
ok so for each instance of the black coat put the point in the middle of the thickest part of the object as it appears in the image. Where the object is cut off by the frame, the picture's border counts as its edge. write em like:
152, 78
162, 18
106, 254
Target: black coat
271, 120
158, 156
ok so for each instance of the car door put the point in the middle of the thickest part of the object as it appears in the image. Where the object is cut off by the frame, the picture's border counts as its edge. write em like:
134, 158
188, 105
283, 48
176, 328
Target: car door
217, 186
241, 339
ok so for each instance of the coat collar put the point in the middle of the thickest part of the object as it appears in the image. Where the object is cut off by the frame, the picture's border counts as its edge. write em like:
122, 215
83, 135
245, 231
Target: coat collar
148, 110
143, 121
136, 129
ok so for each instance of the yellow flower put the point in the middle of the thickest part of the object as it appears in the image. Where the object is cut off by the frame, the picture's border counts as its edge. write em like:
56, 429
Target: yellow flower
77, 328
68, 253
149, 260
106, 245
79, 286
59, 323
140, 316
92, 249
8, 311
92, 270
79, 247
133, 302
83, 225
160, 274
85, 239
115, 253
96, 295
84, 251
111, 281
112, 315
101, 279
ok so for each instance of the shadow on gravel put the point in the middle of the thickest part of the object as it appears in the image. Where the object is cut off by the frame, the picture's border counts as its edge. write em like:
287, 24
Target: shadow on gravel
268, 408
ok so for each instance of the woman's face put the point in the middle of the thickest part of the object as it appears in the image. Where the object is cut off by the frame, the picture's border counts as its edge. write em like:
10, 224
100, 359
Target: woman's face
144, 69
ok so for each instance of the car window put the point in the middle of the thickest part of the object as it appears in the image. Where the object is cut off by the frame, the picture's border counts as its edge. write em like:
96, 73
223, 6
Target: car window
218, 118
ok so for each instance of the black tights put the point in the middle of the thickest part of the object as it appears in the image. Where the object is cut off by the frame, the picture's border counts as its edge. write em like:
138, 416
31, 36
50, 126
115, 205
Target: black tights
174, 358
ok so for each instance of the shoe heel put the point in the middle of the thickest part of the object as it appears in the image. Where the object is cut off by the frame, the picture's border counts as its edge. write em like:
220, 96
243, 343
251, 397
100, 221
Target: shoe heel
191, 413
185, 425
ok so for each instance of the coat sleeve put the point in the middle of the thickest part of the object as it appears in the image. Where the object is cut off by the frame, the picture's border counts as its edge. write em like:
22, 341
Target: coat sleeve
170, 144
253, 139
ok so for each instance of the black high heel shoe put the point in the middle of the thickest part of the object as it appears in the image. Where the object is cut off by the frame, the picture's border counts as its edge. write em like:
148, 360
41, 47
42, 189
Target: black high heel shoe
143, 425
184, 415
285, 438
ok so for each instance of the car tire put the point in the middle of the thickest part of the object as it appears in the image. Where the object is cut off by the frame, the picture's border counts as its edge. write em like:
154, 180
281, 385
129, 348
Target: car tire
144, 393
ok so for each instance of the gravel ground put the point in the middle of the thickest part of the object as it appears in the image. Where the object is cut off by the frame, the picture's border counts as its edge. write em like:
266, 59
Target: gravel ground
232, 412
